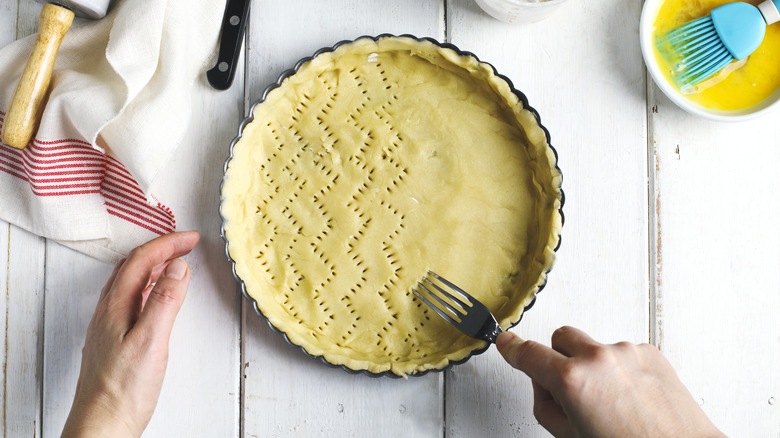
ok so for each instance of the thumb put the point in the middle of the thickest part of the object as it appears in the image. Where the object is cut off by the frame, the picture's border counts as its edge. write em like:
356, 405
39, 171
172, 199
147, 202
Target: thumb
507, 344
534, 359
165, 300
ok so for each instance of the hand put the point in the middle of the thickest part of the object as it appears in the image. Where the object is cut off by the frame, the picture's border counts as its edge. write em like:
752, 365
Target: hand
126, 350
584, 388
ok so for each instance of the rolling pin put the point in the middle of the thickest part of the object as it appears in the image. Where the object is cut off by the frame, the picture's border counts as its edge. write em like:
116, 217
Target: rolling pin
24, 113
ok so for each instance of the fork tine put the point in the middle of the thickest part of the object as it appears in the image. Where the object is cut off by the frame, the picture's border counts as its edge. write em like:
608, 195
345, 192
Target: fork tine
461, 306
441, 313
466, 313
466, 296
456, 310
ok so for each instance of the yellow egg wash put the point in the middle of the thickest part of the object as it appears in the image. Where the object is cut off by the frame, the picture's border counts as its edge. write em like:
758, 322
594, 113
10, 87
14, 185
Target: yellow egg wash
740, 84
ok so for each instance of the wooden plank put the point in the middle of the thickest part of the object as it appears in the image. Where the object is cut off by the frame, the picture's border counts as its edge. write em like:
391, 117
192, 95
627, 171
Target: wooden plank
718, 253
286, 393
7, 35
21, 283
582, 70
5, 253
8, 21
201, 394
27, 18
73, 284
23, 328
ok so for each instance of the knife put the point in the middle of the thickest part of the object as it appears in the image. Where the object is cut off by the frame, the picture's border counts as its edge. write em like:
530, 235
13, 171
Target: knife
233, 24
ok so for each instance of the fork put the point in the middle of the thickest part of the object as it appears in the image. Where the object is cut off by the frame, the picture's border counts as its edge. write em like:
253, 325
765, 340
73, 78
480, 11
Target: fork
459, 308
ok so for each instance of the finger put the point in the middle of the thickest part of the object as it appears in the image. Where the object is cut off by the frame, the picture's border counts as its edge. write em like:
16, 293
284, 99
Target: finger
136, 273
571, 342
144, 295
158, 270
541, 394
164, 301
130, 318
549, 413
536, 360
111, 279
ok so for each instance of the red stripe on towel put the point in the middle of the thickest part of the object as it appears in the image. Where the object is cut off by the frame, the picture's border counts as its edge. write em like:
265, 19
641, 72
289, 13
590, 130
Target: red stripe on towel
71, 167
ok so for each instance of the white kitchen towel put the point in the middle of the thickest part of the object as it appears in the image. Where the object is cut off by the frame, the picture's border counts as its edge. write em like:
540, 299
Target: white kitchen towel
120, 101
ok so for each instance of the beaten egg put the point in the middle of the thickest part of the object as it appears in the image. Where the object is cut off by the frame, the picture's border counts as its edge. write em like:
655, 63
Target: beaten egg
741, 84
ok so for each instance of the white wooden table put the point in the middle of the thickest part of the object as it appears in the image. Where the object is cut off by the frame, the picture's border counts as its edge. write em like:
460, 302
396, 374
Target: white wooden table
672, 236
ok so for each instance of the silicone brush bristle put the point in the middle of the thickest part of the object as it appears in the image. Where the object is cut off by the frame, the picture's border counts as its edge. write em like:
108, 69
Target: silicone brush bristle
695, 51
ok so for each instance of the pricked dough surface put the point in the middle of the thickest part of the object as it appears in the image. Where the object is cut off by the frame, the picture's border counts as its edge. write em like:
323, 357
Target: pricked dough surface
372, 165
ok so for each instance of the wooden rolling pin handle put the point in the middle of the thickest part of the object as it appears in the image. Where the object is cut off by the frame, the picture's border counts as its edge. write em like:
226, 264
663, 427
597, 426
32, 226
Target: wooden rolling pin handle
24, 114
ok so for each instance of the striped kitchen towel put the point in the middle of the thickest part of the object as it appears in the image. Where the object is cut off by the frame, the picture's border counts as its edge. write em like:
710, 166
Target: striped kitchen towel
119, 104
69, 191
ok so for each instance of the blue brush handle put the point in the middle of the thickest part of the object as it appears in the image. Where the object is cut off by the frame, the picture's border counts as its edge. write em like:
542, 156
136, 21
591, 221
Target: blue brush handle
770, 15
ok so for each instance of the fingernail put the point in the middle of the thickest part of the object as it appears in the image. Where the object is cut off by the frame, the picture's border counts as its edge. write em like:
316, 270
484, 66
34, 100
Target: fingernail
176, 269
504, 338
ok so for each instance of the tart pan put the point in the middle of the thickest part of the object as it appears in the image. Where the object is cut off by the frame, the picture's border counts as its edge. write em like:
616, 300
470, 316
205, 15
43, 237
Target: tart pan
287, 73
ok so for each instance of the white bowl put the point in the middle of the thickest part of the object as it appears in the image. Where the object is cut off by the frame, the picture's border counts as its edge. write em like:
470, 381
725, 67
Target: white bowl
649, 13
519, 11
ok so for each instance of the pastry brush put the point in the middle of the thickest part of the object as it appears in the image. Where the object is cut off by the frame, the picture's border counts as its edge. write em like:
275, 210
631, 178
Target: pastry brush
702, 47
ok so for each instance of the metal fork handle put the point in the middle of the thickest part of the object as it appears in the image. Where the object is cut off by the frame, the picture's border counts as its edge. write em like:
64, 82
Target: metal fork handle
490, 331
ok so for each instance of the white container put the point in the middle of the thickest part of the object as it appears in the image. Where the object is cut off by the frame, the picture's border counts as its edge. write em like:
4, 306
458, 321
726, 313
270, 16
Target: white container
520, 11
649, 13
94, 9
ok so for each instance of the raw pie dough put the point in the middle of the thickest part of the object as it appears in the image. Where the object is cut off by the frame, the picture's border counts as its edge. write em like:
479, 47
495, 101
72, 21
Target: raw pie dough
372, 165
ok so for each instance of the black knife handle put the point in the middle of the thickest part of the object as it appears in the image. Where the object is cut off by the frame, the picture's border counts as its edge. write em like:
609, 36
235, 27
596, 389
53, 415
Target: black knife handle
233, 24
